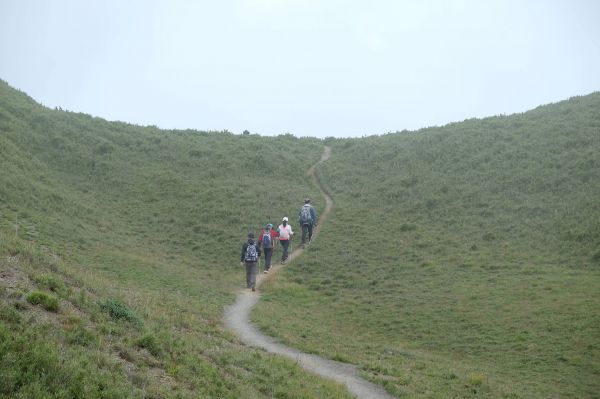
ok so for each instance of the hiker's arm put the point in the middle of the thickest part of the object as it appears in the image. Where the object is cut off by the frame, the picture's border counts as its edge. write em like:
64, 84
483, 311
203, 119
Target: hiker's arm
313, 212
243, 252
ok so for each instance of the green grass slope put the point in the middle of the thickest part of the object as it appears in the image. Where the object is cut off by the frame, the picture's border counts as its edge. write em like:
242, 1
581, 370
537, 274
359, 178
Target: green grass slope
119, 247
460, 261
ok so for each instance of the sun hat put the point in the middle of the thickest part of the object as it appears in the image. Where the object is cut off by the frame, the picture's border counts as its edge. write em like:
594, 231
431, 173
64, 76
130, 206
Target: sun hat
285, 219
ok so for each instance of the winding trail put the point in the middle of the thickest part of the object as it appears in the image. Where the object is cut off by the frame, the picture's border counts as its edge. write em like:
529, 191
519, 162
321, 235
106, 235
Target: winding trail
237, 320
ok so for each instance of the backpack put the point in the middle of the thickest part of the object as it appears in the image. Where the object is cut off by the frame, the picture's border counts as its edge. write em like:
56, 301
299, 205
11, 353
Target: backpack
266, 240
305, 217
251, 254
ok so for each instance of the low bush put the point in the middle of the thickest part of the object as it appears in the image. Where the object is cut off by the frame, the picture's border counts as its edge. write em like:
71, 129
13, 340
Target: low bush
47, 301
118, 311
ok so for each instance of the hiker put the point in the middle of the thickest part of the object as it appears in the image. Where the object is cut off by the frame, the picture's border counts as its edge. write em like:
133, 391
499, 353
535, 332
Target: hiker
307, 219
267, 241
285, 235
249, 257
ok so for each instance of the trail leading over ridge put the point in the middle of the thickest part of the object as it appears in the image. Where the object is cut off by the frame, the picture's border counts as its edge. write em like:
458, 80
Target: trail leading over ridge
237, 320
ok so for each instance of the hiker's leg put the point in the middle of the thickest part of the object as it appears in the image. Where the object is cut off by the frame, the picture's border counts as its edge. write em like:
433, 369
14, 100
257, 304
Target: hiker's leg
304, 232
310, 228
285, 244
253, 273
268, 254
248, 274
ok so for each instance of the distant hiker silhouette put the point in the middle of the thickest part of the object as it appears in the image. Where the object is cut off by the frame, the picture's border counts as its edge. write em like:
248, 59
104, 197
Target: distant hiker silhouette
249, 257
266, 240
307, 217
285, 235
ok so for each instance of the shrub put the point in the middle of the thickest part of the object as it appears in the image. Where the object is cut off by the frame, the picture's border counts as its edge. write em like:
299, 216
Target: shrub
48, 302
118, 311
149, 341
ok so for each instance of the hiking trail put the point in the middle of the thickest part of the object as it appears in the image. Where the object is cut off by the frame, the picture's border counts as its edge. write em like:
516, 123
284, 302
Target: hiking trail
237, 320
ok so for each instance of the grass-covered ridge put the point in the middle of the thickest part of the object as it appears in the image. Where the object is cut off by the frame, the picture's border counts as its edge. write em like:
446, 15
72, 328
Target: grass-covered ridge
119, 247
460, 261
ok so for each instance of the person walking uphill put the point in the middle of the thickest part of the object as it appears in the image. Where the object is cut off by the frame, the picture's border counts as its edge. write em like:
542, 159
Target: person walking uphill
249, 257
307, 219
285, 235
266, 240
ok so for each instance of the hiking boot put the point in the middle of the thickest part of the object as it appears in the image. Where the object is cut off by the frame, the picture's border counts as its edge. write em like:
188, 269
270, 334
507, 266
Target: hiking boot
266, 272
253, 289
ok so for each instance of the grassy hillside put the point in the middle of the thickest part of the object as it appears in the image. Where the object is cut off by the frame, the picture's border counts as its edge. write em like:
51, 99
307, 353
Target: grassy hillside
119, 247
460, 261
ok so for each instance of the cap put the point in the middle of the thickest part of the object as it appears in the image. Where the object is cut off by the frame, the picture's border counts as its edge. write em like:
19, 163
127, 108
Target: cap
269, 225
285, 219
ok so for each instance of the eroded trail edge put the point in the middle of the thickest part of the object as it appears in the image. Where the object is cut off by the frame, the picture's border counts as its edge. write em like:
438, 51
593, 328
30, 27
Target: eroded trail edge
237, 320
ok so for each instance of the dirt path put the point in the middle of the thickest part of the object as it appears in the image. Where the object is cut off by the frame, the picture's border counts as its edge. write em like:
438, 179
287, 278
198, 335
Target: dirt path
237, 320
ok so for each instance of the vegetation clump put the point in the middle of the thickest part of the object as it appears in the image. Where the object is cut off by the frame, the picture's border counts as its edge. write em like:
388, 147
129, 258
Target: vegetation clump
150, 342
49, 282
47, 301
118, 311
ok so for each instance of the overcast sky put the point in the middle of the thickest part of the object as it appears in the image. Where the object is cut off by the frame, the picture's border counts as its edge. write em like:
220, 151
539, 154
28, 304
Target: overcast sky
316, 68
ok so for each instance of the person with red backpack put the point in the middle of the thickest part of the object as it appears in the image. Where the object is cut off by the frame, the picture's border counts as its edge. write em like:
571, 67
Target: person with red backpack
266, 239
249, 257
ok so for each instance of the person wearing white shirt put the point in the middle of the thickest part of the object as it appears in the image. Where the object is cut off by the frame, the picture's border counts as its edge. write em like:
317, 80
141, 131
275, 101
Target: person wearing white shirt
285, 235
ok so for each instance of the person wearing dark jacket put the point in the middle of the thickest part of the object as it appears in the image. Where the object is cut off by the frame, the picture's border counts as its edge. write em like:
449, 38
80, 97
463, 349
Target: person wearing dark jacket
249, 257
307, 218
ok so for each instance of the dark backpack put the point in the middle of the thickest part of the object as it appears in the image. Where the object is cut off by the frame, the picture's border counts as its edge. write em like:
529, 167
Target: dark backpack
305, 216
266, 240
251, 253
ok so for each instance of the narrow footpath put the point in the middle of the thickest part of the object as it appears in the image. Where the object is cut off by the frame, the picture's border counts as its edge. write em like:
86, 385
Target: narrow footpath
237, 320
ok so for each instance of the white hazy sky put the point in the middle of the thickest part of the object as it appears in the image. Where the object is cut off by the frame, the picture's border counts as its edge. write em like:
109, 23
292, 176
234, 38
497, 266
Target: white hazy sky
316, 68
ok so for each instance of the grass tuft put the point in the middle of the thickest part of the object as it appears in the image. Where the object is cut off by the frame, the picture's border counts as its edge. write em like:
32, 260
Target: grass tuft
47, 301
49, 282
476, 379
150, 342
